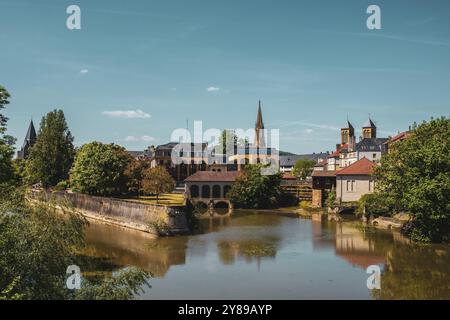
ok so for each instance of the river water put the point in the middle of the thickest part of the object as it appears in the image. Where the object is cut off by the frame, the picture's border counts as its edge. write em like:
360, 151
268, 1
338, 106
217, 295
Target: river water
268, 256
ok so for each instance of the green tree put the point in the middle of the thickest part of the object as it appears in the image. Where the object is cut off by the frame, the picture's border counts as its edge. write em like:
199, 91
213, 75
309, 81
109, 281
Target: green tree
52, 155
6, 141
303, 168
39, 242
99, 169
157, 181
135, 174
253, 190
415, 178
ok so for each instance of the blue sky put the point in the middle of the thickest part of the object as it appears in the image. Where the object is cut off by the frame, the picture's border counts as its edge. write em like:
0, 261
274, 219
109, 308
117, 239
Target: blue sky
137, 70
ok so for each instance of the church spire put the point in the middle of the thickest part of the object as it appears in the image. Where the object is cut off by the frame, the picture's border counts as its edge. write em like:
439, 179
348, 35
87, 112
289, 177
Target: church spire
259, 119
259, 129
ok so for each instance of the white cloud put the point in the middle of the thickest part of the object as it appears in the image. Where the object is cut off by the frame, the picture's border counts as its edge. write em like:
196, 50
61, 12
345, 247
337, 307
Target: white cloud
212, 89
129, 114
309, 131
140, 139
84, 71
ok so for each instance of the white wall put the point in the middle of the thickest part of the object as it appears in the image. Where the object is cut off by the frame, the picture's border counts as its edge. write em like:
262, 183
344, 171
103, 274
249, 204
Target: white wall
360, 187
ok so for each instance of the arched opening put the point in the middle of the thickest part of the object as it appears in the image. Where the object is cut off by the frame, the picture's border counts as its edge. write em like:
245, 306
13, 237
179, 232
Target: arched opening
194, 190
206, 191
200, 208
226, 189
221, 207
216, 192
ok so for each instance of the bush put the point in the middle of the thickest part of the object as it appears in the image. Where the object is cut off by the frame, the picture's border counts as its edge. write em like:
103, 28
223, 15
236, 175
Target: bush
62, 185
373, 204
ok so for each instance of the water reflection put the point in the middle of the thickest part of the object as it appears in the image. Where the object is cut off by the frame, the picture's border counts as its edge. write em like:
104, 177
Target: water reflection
297, 259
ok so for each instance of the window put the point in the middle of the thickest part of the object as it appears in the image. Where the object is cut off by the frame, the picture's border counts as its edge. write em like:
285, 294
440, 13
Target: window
374, 156
351, 185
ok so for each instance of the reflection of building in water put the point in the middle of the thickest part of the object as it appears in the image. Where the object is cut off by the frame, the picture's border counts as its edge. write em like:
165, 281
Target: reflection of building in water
134, 248
356, 248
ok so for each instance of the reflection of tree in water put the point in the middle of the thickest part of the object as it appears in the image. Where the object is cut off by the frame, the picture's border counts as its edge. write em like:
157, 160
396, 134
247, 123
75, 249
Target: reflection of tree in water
248, 249
122, 247
416, 272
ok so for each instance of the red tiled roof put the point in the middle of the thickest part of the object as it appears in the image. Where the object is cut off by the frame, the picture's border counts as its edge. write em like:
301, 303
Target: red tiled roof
324, 173
360, 167
334, 154
212, 176
400, 136
322, 163
288, 176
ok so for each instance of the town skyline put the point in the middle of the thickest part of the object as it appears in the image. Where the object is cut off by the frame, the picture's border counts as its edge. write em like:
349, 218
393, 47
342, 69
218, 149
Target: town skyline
133, 74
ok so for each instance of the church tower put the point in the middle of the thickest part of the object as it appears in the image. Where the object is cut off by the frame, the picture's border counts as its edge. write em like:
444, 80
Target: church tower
369, 130
347, 134
29, 141
259, 130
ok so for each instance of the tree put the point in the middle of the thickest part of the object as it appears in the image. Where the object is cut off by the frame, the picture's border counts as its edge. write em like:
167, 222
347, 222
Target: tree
52, 155
135, 174
6, 141
157, 181
253, 190
99, 169
303, 168
415, 178
39, 242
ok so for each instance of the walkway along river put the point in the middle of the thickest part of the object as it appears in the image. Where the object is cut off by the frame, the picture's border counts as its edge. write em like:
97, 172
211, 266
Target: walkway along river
266, 256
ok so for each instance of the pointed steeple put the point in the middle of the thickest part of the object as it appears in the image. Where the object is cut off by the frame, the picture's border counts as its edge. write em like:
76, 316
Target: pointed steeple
259, 129
29, 141
369, 129
369, 124
31, 133
259, 119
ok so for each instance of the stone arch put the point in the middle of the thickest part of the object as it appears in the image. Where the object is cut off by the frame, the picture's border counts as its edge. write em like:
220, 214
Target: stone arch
216, 192
222, 207
206, 191
195, 191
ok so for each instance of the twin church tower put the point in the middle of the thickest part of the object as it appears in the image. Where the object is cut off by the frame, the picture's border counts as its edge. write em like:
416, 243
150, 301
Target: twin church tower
369, 131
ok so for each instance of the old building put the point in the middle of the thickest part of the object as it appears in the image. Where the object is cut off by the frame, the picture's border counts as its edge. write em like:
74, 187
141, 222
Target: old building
29, 141
287, 162
355, 181
180, 159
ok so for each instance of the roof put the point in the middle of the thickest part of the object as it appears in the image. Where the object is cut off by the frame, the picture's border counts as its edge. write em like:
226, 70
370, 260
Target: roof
370, 144
322, 163
30, 138
185, 145
288, 176
136, 153
327, 173
369, 124
360, 167
213, 176
290, 160
334, 154
349, 125
400, 136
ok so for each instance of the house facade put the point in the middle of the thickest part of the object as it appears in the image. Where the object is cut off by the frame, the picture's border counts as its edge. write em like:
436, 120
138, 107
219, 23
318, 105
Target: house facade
355, 181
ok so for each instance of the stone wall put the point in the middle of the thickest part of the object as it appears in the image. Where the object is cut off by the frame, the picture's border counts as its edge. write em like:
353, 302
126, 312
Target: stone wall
140, 216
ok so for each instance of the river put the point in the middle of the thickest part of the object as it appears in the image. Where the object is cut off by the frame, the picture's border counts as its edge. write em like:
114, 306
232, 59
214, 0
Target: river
268, 256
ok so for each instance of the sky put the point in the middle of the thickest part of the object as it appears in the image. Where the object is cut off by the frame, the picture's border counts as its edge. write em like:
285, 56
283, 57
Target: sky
139, 69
